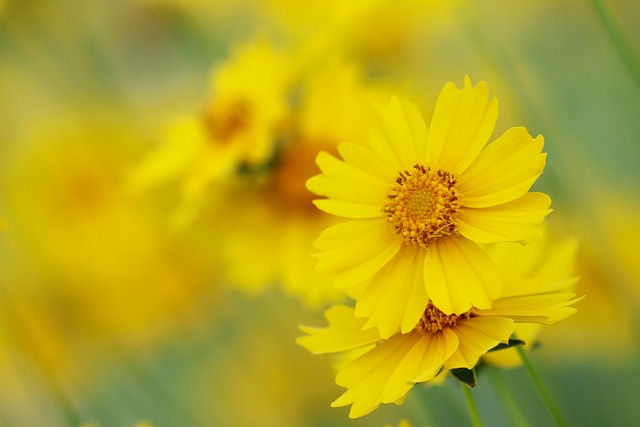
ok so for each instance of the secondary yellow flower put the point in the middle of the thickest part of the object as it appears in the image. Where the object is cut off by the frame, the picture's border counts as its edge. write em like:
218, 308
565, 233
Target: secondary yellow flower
387, 371
535, 268
267, 218
237, 128
420, 202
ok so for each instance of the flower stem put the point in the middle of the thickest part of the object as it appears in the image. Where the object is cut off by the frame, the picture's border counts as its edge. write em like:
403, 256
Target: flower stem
476, 421
542, 390
511, 406
616, 33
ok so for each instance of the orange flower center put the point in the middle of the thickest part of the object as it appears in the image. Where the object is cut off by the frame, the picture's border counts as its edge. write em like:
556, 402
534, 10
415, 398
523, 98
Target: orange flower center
422, 205
294, 166
433, 320
225, 119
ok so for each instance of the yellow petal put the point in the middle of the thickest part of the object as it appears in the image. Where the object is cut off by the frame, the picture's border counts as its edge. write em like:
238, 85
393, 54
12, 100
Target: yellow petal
366, 376
458, 274
348, 209
345, 182
441, 346
184, 143
396, 296
546, 308
462, 123
509, 357
356, 248
368, 161
404, 129
504, 170
343, 333
517, 221
383, 148
476, 336
422, 361
418, 130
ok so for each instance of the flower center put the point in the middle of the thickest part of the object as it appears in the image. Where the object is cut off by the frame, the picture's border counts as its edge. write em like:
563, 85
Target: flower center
294, 165
423, 205
224, 119
433, 320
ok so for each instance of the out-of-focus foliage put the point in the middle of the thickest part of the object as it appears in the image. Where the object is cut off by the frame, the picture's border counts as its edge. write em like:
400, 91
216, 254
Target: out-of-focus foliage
111, 315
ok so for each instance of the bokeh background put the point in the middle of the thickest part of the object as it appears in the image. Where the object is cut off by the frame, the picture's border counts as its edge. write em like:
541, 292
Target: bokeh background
111, 314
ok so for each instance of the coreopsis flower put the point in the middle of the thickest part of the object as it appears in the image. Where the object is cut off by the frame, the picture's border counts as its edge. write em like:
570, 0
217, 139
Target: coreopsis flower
267, 216
237, 128
389, 367
420, 201
537, 268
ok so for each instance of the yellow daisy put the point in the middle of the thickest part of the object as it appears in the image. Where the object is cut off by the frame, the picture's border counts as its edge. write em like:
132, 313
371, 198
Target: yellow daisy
237, 128
420, 203
387, 371
536, 268
267, 218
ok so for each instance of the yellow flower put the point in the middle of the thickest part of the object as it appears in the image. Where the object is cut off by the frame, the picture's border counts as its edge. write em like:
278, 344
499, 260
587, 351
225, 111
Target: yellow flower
237, 128
535, 268
267, 218
388, 370
420, 202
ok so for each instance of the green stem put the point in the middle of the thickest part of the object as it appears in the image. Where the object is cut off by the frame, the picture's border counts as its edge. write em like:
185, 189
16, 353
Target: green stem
420, 404
542, 390
511, 406
618, 38
476, 421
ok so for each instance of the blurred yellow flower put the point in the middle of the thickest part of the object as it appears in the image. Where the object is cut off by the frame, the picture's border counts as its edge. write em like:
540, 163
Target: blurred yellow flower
420, 201
237, 128
609, 276
535, 268
85, 264
266, 219
387, 372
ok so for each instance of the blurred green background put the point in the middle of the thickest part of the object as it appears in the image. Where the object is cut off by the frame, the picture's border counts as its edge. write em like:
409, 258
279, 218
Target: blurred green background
107, 318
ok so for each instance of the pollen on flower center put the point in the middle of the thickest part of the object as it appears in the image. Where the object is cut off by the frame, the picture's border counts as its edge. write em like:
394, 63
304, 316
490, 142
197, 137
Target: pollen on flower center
422, 205
434, 320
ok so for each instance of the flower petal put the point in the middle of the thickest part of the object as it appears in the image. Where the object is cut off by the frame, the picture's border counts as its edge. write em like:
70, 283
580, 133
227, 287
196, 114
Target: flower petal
384, 149
504, 170
404, 129
517, 221
477, 335
342, 181
396, 296
367, 160
348, 209
343, 333
509, 357
366, 377
461, 126
421, 363
441, 346
546, 308
184, 144
357, 248
458, 274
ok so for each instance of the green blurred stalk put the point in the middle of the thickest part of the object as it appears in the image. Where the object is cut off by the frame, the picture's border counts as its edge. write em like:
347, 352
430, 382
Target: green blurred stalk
542, 390
618, 37
511, 406
476, 421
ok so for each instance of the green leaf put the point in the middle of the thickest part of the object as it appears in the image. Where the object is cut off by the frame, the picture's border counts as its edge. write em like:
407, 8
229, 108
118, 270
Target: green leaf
465, 376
